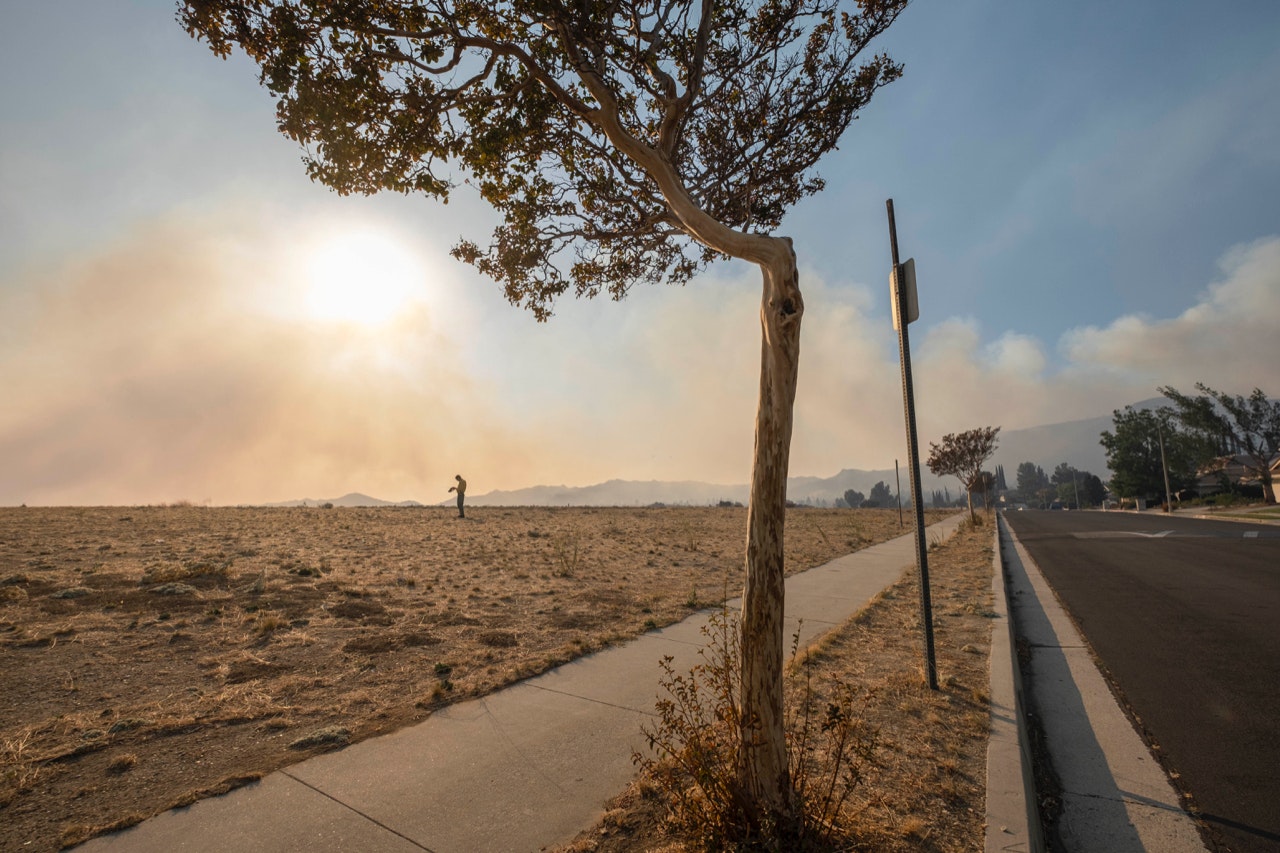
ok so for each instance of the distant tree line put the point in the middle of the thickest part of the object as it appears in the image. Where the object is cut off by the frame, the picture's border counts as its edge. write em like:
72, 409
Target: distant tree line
1068, 486
881, 496
1195, 444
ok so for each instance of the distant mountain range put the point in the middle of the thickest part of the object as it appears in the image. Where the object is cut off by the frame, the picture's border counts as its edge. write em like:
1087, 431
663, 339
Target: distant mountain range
352, 499
1074, 442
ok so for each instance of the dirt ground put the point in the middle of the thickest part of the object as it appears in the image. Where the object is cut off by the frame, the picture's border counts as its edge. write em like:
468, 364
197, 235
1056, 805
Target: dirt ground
923, 790
151, 656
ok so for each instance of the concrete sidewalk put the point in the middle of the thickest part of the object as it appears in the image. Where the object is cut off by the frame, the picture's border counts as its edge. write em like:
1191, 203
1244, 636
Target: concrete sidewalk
524, 768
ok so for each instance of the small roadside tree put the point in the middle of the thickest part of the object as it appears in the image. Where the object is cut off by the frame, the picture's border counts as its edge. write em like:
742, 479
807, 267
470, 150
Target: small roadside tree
622, 142
962, 455
1248, 426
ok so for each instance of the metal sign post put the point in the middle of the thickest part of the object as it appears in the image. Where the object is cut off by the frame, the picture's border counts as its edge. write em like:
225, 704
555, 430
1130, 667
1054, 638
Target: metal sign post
906, 307
897, 479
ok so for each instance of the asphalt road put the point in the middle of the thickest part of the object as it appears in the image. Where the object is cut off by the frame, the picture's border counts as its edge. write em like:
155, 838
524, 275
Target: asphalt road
1184, 616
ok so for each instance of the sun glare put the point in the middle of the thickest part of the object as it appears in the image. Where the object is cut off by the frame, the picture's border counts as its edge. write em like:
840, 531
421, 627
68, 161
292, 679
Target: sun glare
364, 278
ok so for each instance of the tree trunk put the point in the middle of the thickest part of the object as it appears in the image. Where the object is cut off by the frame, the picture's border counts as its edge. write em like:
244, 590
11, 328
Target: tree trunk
763, 769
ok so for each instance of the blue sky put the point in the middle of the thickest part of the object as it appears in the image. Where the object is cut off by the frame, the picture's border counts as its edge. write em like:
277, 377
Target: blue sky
1091, 192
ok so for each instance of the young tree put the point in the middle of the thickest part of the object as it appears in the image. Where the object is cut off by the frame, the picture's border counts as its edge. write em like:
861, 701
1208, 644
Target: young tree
1133, 453
963, 455
622, 142
1249, 426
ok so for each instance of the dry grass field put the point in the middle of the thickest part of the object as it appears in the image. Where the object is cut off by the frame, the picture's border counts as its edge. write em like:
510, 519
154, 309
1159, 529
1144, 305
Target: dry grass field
924, 789
151, 656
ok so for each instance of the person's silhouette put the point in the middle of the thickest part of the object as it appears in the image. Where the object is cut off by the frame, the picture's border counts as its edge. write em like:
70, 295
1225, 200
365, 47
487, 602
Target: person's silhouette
461, 489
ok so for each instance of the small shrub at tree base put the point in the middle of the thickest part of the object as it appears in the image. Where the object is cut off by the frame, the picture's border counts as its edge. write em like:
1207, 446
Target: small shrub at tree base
695, 744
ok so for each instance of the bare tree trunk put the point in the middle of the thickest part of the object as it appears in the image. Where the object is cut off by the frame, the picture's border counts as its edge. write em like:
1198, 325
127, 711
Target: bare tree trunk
763, 769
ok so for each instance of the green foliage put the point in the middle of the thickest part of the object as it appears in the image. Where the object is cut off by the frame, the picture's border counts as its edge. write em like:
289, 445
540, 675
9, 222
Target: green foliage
1077, 488
695, 742
1033, 484
614, 139
1092, 490
1133, 453
853, 498
1249, 426
881, 495
1001, 483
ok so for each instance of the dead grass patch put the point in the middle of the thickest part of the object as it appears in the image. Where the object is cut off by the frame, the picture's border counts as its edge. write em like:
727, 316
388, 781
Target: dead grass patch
299, 619
924, 787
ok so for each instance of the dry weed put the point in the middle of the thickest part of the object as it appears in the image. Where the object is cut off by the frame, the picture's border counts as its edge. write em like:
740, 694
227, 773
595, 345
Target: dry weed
253, 624
923, 787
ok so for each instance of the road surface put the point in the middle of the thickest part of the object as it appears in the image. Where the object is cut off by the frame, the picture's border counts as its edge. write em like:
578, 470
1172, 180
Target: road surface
1184, 616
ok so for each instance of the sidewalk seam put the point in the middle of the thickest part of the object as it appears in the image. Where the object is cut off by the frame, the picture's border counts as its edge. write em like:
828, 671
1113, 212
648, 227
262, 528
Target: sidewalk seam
590, 699
285, 771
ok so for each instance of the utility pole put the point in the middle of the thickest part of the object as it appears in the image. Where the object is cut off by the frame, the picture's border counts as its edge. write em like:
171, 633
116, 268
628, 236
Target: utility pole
1164, 469
906, 308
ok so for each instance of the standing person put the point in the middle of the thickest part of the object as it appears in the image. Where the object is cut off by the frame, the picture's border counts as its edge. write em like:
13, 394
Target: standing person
461, 489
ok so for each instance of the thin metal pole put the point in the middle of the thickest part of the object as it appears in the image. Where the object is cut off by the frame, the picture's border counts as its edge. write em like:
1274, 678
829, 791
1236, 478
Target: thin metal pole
913, 450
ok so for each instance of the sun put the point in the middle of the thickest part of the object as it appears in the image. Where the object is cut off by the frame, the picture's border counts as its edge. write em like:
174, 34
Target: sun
363, 277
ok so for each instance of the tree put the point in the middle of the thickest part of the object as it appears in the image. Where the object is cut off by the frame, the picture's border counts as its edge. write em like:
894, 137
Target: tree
1248, 426
881, 495
1078, 488
1133, 453
963, 455
1001, 484
853, 498
1066, 480
1092, 490
1032, 483
623, 142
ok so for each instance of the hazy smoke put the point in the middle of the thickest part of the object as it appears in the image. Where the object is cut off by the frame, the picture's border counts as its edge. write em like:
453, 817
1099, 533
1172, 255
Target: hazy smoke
173, 365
